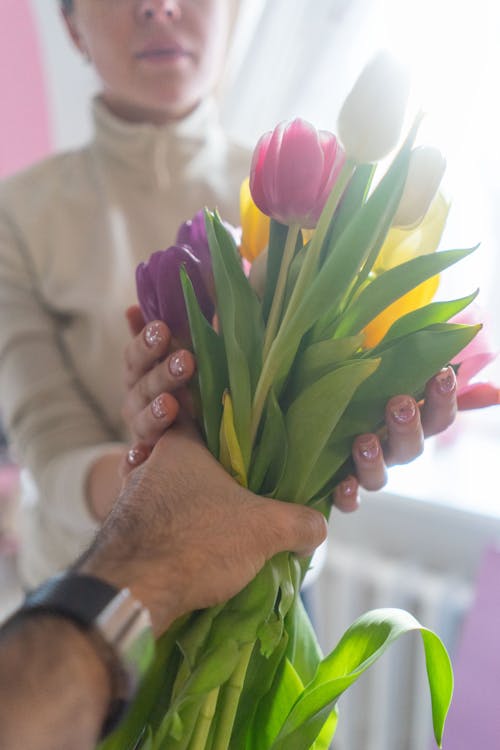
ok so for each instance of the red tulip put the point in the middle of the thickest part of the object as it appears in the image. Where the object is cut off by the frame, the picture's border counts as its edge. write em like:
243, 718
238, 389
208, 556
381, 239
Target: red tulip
294, 168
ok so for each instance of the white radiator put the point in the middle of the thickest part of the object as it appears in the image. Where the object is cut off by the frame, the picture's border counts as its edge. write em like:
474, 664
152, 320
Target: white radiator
396, 553
389, 709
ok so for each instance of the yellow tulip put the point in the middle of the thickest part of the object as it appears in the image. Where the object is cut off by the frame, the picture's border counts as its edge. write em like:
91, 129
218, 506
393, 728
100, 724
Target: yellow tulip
404, 244
254, 225
400, 246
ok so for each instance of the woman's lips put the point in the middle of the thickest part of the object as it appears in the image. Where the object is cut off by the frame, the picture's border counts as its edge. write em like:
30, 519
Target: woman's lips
160, 53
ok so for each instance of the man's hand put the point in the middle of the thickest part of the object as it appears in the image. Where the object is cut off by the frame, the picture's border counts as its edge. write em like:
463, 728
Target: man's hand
184, 535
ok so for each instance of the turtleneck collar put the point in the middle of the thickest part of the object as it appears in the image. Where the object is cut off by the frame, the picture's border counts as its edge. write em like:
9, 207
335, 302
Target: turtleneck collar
155, 152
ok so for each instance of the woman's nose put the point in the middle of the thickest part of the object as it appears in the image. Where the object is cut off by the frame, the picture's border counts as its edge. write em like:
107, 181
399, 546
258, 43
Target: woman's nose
158, 9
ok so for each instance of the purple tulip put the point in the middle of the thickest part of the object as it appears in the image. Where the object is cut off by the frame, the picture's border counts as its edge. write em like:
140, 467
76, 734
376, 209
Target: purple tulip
159, 288
193, 234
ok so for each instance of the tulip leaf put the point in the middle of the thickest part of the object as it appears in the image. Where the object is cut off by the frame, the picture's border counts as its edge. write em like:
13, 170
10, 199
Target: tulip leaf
147, 740
319, 358
352, 254
286, 690
405, 367
277, 239
435, 312
354, 196
303, 650
156, 683
210, 365
230, 451
311, 419
241, 327
393, 284
269, 459
363, 643
327, 734
258, 682
406, 364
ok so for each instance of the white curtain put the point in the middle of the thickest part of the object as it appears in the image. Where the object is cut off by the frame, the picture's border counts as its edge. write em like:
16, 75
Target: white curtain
295, 58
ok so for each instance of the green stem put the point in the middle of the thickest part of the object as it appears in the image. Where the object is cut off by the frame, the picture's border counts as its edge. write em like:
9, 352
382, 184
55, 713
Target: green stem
230, 701
204, 721
271, 361
279, 292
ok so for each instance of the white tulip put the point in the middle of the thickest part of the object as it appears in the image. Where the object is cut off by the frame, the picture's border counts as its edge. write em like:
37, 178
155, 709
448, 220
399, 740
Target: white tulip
425, 172
371, 118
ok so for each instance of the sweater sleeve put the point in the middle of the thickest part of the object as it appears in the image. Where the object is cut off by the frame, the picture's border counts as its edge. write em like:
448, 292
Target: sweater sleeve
54, 428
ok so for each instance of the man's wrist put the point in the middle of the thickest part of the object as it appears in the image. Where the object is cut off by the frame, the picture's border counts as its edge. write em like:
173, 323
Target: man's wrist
116, 624
155, 593
40, 649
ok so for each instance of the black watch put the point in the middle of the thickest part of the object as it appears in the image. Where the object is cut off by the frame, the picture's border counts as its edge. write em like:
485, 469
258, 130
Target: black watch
118, 624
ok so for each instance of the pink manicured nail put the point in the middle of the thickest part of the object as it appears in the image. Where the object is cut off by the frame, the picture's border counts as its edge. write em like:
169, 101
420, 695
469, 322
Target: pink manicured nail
446, 380
158, 408
348, 487
368, 447
403, 410
177, 364
153, 335
135, 457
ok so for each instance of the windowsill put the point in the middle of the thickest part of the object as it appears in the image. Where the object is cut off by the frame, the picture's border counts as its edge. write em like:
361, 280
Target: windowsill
458, 468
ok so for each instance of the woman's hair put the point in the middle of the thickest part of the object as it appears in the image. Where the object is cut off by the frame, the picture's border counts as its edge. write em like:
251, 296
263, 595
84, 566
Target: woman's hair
67, 5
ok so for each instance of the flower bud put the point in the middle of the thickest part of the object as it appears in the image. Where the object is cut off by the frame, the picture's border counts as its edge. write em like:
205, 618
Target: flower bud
425, 172
294, 168
371, 118
254, 225
258, 274
159, 289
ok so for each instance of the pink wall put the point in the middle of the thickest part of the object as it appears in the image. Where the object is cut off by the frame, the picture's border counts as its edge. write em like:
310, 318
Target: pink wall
24, 119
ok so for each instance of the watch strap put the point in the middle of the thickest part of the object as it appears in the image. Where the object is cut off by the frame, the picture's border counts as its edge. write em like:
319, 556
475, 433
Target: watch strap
117, 624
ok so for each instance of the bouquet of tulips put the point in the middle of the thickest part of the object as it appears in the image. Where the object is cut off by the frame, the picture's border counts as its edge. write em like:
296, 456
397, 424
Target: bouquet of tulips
293, 362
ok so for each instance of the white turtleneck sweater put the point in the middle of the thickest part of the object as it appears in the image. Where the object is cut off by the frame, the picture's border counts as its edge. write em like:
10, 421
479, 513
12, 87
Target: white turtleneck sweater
72, 230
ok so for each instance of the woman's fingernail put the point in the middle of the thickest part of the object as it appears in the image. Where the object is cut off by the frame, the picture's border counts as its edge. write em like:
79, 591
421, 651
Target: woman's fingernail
135, 457
368, 447
348, 487
446, 380
158, 408
177, 364
153, 335
403, 410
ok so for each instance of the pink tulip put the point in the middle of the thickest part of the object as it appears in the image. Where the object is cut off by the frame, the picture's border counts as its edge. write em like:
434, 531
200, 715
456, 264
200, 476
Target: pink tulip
294, 168
471, 360
478, 396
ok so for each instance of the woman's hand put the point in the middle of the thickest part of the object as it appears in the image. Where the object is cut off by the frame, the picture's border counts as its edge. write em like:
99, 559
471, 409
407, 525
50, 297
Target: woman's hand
407, 424
153, 373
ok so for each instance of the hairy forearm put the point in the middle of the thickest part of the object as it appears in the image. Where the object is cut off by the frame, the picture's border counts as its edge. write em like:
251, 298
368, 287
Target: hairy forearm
54, 689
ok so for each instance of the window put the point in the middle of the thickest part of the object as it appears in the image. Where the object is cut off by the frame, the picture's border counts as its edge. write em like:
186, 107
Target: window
290, 60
